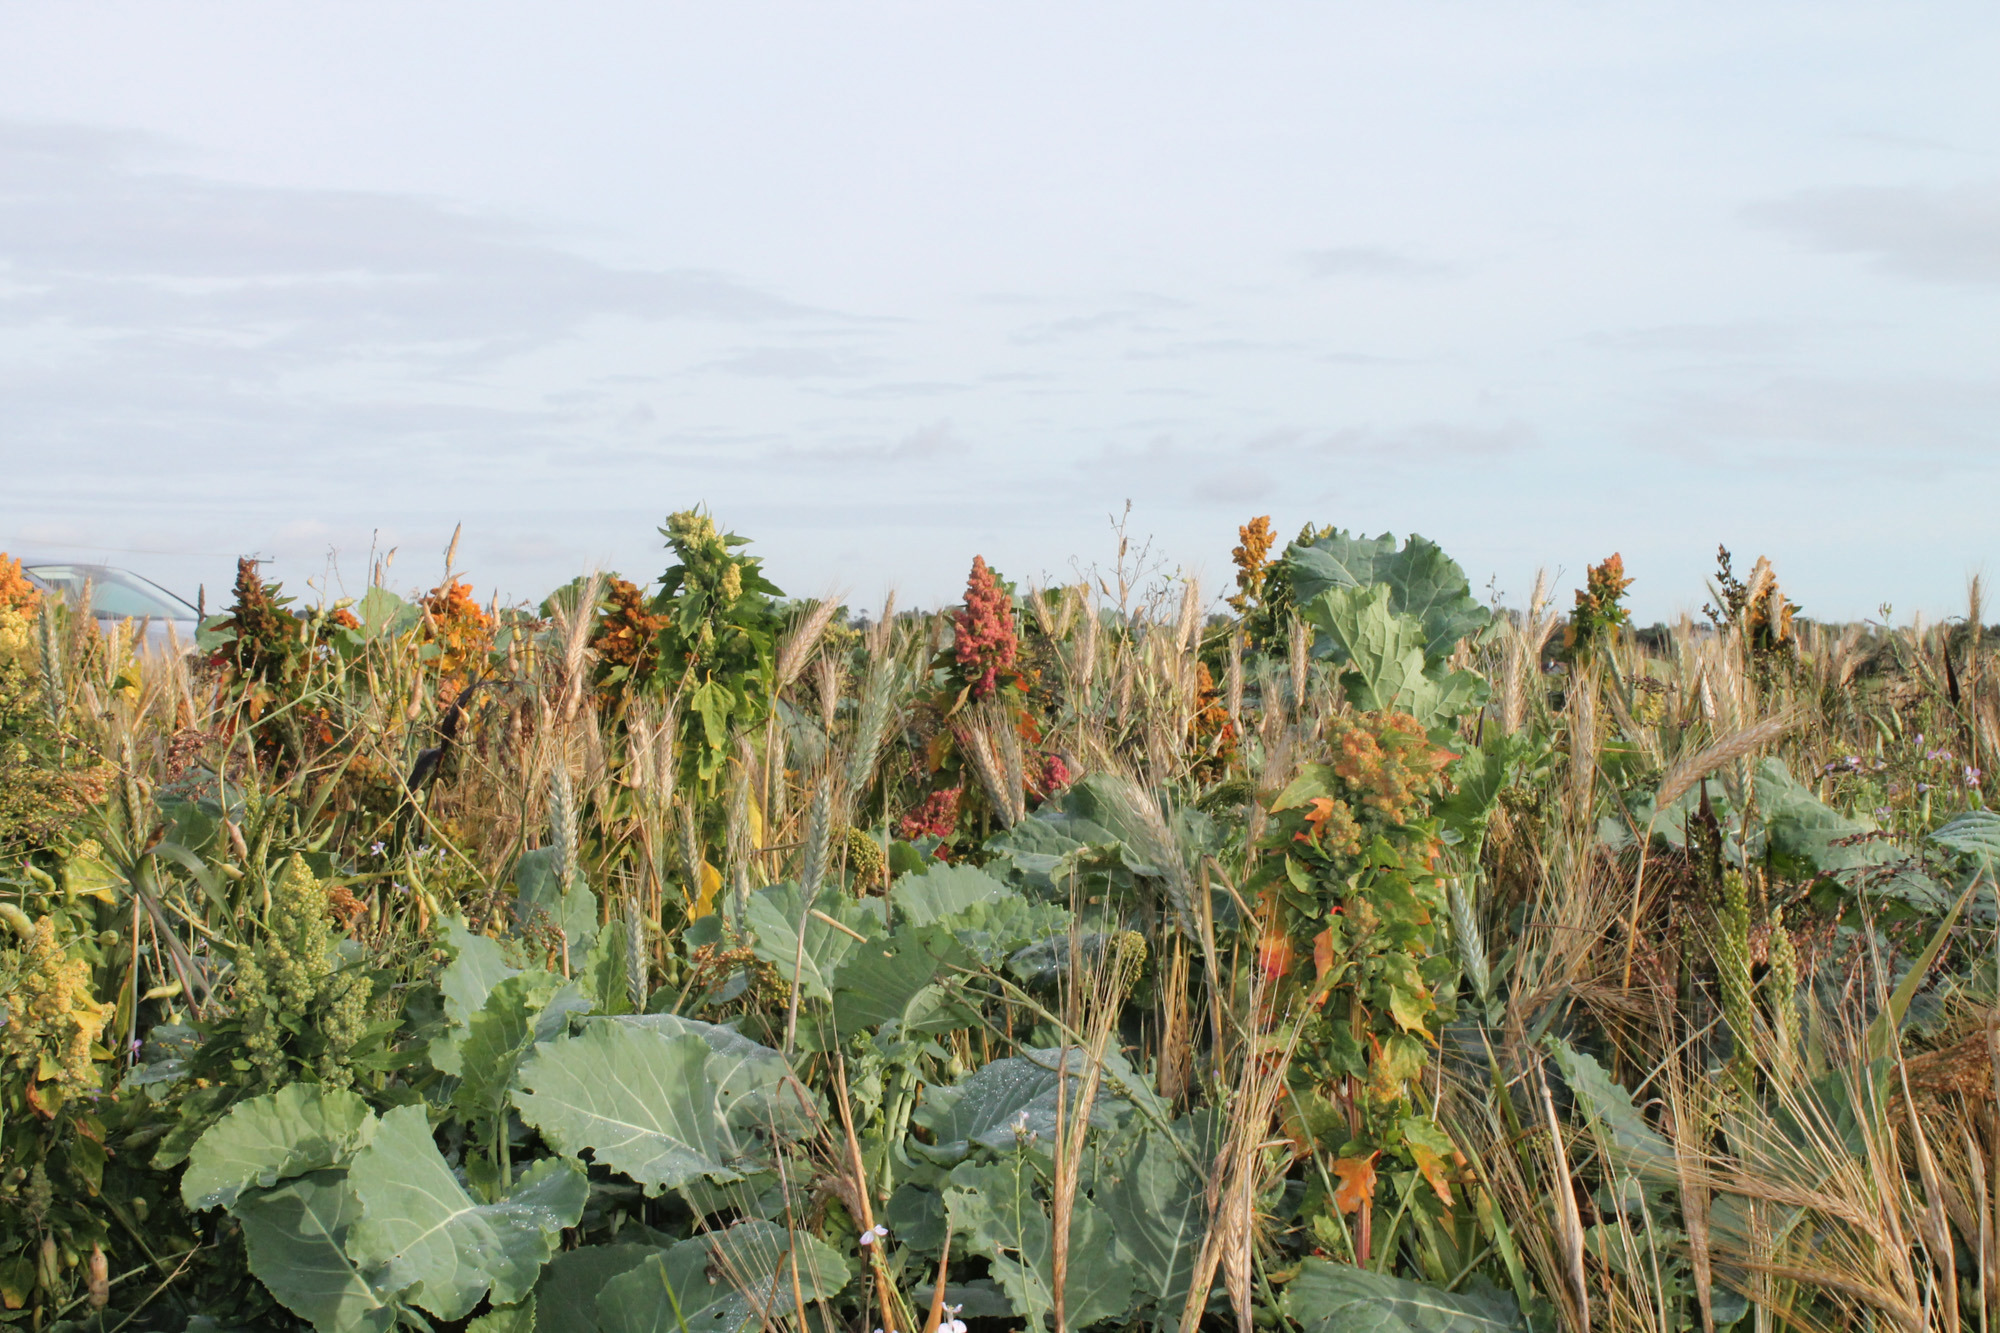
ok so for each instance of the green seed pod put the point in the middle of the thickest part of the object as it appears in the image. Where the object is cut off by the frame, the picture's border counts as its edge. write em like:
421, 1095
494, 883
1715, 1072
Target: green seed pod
107, 938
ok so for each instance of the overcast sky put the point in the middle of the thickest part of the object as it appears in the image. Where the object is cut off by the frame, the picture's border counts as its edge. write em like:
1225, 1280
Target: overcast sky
890, 285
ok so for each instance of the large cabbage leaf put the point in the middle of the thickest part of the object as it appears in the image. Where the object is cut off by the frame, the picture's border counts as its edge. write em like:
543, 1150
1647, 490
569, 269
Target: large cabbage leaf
297, 1129
641, 1102
296, 1235
442, 1248
1338, 1298
721, 1282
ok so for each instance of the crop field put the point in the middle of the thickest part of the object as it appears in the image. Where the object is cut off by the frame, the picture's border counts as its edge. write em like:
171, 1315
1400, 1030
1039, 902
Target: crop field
1329, 951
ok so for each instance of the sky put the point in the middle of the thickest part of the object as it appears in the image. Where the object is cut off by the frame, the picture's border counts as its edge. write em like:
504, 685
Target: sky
886, 286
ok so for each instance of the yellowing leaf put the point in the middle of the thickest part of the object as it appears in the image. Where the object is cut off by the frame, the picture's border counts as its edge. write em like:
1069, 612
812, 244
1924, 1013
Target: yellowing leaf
711, 884
1410, 1009
1435, 1171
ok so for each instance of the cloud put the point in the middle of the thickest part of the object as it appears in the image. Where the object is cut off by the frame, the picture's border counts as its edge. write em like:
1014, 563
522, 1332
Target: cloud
1419, 441
937, 442
1368, 261
1742, 338
1938, 234
1876, 424
793, 363
1138, 312
97, 240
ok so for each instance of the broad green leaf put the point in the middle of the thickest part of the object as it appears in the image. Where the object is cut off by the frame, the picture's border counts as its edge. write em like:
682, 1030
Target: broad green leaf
1421, 580
520, 1011
1337, 560
566, 1297
506, 1319
382, 612
478, 965
889, 988
760, 1195
1384, 651
755, 1084
943, 891
1880, 1038
712, 704
774, 918
722, 1282
538, 888
1803, 835
641, 1102
992, 931
297, 1236
298, 1128
1410, 1008
997, 1208
604, 971
442, 1247
1974, 835
1011, 1103
1155, 1200
1636, 1151
1337, 1298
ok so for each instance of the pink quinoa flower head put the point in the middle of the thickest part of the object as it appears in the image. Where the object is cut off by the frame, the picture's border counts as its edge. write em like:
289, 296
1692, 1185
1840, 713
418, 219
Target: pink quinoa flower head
936, 817
985, 630
1055, 774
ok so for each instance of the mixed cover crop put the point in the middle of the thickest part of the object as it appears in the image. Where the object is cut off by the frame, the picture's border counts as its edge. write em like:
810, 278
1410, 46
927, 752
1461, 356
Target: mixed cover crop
683, 957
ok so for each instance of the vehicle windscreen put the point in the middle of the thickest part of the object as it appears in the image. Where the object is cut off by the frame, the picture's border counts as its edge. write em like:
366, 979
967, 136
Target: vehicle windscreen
114, 593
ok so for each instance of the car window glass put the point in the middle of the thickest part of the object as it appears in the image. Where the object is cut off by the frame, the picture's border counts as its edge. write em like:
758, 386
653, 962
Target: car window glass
113, 592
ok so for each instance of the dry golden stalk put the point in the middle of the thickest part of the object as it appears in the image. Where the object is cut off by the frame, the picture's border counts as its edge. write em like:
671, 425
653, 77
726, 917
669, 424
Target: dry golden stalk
1106, 995
1235, 681
1691, 769
827, 687
800, 643
1189, 620
1083, 662
1569, 1222
1174, 1068
1301, 643
976, 742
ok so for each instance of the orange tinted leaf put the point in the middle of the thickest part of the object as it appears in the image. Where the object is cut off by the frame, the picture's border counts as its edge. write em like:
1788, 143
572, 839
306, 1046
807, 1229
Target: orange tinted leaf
1274, 955
1435, 1171
1357, 1182
1323, 952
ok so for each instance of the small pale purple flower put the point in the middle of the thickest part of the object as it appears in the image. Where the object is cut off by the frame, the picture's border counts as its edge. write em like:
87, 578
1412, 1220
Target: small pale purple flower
1971, 776
377, 849
873, 1234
